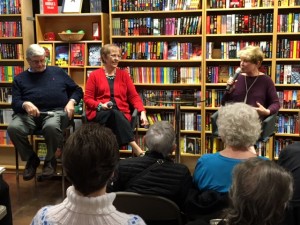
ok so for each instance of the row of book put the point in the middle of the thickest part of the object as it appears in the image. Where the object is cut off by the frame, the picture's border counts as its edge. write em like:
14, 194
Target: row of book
288, 2
5, 94
239, 23
10, 7
287, 124
6, 116
229, 50
166, 75
73, 54
287, 74
169, 97
7, 73
154, 5
287, 48
280, 144
289, 99
240, 3
10, 29
11, 51
288, 22
188, 25
160, 50
4, 138
213, 97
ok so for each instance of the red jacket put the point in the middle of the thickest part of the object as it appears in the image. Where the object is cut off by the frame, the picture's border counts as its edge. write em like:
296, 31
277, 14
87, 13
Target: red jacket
97, 91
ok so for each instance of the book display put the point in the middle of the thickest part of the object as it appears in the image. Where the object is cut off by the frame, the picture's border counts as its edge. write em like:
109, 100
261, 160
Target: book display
193, 45
16, 33
74, 46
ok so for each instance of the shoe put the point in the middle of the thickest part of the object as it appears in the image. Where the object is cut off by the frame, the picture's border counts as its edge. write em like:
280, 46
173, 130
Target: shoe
30, 168
49, 168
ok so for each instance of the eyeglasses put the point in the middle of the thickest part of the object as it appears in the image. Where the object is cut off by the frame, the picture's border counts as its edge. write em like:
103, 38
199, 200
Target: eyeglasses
115, 56
42, 61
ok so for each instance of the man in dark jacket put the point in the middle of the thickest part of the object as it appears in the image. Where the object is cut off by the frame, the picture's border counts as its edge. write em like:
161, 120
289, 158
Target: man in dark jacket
155, 173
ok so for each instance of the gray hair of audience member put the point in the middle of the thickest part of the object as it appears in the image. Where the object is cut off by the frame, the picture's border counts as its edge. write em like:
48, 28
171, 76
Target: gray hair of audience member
238, 125
161, 138
259, 193
34, 50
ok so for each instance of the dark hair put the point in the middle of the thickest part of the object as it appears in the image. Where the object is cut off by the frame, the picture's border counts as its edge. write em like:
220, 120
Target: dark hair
90, 156
259, 193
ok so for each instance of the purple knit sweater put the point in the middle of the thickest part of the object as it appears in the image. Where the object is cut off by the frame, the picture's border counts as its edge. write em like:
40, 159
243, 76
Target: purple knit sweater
262, 91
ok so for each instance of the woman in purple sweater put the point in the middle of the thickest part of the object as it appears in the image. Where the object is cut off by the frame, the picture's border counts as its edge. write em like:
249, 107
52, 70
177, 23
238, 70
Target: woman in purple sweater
252, 86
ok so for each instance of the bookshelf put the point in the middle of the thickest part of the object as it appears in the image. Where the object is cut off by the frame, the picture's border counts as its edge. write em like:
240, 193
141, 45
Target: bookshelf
16, 34
74, 56
224, 30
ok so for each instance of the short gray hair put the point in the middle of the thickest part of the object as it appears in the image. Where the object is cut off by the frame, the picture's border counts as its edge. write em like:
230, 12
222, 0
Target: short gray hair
161, 138
34, 50
238, 125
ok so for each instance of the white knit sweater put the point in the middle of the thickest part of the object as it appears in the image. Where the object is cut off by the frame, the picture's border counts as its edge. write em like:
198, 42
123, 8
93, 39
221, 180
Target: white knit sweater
79, 210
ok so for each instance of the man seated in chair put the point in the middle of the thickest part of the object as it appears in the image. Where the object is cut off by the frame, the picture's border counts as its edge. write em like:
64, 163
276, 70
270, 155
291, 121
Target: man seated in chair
35, 92
155, 173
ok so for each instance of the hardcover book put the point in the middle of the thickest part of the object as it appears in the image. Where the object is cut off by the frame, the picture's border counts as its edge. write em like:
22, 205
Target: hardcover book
172, 50
62, 55
77, 54
49, 53
94, 55
48, 6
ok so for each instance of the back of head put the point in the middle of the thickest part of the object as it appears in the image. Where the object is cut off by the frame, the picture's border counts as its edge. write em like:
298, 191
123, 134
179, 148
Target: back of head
238, 125
34, 50
90, 156
161, 138
259, 193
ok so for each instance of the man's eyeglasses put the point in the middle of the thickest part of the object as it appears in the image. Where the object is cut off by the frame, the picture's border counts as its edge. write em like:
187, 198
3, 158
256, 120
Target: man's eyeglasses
42, 61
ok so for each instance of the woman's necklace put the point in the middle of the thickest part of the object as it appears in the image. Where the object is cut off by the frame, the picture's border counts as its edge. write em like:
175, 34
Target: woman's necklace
248, 89
110, 77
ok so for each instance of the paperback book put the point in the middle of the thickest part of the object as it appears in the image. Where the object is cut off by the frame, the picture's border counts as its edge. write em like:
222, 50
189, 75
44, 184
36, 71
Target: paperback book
77, 54
62, 55
94, 55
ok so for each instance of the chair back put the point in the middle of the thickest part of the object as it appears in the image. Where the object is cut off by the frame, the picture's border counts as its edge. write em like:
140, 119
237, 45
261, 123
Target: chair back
153, 209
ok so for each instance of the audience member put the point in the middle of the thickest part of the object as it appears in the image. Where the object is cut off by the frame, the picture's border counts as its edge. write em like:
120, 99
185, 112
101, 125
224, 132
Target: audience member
259, 194
90, 156
35, 92
239, 128
252, 86
155, 173
289, 158
109, 95
5, 200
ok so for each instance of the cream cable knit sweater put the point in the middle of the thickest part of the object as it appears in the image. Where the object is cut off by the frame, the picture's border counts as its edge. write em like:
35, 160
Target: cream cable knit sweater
79, 210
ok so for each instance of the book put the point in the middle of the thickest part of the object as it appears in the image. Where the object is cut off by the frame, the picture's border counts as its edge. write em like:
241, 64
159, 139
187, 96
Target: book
49, 53
62, 55
223, 74
94, 58
172, 50
190, 145
95, 6
77, 54
48, 6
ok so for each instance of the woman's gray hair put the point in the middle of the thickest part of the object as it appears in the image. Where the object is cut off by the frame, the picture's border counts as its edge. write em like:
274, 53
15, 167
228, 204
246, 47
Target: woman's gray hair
161, 138
238, 125
34, 50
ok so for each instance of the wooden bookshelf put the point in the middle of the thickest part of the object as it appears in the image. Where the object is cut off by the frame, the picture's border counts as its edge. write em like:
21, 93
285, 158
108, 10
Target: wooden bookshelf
212, 56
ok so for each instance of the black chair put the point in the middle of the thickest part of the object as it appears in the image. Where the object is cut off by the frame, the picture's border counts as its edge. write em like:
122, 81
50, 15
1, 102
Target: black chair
268, 126
155, 210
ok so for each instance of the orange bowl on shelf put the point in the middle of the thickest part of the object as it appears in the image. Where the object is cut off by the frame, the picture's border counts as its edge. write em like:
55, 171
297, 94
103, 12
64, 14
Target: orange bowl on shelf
70, 36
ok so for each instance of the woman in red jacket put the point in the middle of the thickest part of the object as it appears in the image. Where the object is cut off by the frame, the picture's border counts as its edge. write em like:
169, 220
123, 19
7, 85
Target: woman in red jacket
109, 93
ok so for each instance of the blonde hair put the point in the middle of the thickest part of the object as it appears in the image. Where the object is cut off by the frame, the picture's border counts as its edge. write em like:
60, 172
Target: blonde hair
251, 53
106, 50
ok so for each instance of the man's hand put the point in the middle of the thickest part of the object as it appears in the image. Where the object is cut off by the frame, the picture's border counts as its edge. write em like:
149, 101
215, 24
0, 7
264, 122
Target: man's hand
31, 109
69, 109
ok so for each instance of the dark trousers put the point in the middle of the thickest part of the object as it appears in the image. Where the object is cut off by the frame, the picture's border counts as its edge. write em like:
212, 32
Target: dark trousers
117, 122
5, 200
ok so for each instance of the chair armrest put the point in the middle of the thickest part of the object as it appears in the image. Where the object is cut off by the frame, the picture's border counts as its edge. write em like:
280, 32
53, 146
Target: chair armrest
214, 126
134, 119
268, 127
